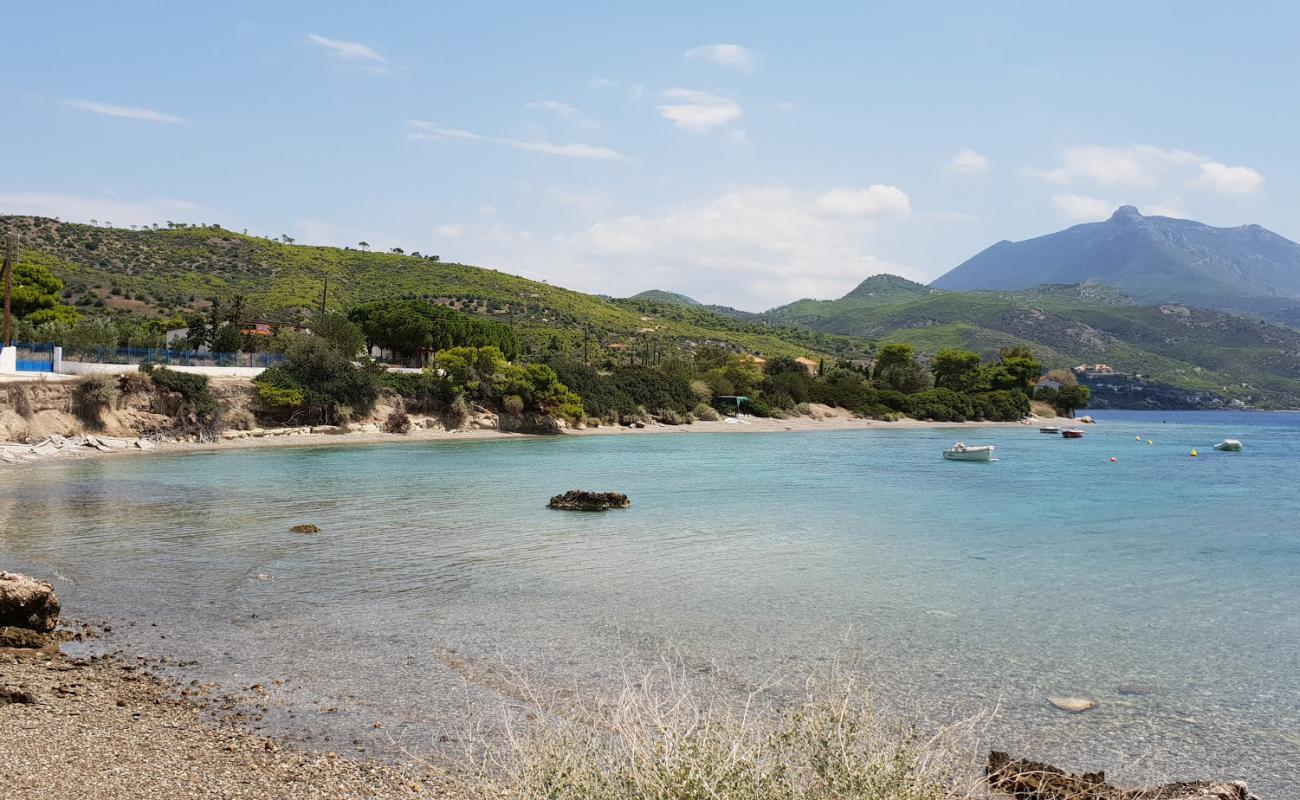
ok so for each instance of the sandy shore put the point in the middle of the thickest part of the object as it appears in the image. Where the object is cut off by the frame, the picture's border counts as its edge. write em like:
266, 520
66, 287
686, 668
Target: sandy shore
831, 420
86, 728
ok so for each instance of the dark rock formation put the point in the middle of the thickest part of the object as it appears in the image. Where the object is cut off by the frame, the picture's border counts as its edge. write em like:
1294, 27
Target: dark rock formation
1030, 780
27, 603
305, 529
575, 500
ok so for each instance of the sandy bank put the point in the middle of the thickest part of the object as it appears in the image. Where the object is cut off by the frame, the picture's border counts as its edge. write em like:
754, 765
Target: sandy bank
75, 729
828, 420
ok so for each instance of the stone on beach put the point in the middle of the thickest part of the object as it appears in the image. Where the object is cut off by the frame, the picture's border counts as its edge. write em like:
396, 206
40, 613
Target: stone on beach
575, 500
1075, 705
27, 603
1032, 780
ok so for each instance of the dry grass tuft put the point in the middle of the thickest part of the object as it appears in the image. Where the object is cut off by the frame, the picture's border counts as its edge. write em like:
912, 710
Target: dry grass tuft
662, 740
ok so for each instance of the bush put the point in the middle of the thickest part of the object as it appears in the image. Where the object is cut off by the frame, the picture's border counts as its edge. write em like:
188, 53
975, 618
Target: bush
458, 412
669, 416
940, 405
135, 383
512, 404
755, 407
706, 412
320, 379
21, 400
239, 419
398, 421
94, 395
199, 414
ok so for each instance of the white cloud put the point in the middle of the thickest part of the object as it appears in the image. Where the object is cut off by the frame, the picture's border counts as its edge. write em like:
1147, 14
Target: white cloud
1146, 166
1134, 165
873, 201
449, 230
349, 51
77, 208
754, 247
698, 111
427, 131
968, 161
1082, 208
125, 112
731, 56
1227, 180
565, 111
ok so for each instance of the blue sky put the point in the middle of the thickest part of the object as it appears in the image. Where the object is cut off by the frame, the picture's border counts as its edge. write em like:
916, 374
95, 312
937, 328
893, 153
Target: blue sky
743, 153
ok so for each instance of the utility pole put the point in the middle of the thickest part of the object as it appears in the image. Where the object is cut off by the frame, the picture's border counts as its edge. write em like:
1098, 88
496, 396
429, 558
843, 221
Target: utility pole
324, 294
10, 263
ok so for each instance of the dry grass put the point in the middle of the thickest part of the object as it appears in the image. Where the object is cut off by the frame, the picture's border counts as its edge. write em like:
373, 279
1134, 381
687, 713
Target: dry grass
663, 738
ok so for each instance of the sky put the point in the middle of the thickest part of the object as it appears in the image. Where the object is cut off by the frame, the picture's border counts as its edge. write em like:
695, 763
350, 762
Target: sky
747, 154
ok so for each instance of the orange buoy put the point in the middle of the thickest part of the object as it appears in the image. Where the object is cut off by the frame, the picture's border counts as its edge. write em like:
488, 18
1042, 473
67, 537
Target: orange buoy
1112, 459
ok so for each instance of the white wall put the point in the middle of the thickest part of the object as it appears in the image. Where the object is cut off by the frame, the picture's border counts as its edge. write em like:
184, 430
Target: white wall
86, 368
8, 360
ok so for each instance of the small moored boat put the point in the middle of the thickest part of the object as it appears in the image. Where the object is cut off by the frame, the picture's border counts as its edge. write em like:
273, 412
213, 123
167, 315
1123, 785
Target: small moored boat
1052, 429
1230, 445
1072, 433
963, 452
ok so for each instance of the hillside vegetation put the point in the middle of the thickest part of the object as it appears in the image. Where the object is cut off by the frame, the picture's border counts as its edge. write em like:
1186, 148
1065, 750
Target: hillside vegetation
1192, 348
170, 271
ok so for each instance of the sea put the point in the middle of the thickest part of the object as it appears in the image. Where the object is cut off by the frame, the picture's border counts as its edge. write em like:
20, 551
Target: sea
441, 592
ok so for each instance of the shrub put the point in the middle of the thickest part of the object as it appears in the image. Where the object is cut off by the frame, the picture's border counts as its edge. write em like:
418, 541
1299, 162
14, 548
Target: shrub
324, 379
669, 416
21, 400
239, 419
512, 404
199, 414
755, 407
706, 412
134, 383
398, 421
458, 412
941, 405
94, 395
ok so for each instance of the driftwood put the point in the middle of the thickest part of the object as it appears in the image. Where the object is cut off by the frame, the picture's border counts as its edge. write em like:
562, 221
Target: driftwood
1030, 780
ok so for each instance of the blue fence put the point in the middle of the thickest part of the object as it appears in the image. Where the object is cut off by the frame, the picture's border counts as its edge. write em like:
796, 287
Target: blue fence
179, 358
35, 357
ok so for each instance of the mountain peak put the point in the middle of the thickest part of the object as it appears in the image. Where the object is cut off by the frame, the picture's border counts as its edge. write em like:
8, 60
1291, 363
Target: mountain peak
1126, 213
885, 285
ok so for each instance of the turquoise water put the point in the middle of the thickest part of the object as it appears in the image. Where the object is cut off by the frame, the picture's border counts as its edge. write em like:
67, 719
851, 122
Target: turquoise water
1165, 587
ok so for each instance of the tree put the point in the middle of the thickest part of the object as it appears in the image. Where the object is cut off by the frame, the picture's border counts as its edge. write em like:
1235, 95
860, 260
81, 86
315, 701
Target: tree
364, 246
340, 332
397, 250
1021, 366
896, 369
1069, 398
955, 369
34, 289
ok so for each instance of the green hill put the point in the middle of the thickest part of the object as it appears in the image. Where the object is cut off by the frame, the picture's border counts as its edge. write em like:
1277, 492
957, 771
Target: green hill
163, 272
1198, 350
661, 296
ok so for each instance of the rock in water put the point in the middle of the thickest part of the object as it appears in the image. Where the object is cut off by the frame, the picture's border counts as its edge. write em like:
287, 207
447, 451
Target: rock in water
575, 500
1075, 705
305, 529
27, 603
1030, 780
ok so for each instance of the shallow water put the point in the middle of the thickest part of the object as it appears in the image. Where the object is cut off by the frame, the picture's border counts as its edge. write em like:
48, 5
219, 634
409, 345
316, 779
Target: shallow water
1165, 587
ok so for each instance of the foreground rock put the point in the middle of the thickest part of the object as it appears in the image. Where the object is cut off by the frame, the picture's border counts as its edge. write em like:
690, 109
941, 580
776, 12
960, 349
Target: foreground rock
27, 603
575, 500
1030, 780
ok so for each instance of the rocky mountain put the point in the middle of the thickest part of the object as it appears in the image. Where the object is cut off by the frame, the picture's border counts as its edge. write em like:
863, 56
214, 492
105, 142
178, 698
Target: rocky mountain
1246, 269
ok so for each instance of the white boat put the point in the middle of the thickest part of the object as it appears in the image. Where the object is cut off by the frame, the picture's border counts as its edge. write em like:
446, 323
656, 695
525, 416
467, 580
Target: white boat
962, 452
1049, 429
1231, 445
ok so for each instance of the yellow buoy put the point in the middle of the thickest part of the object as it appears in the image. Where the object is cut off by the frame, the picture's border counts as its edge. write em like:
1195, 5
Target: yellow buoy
1150, 442
1194, 454
1139, 438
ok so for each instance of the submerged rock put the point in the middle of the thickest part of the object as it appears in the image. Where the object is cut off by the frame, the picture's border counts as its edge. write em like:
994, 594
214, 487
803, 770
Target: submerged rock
1075, 705
305, 529
1030, 780
27, 603
575, 500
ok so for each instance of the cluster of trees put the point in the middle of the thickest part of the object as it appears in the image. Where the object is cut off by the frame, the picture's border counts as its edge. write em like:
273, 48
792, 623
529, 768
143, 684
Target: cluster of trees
36, 295
410, 327
458, 377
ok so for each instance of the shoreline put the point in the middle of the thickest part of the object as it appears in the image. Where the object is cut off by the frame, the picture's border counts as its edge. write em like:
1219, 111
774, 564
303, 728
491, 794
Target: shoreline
834, 422
108, 726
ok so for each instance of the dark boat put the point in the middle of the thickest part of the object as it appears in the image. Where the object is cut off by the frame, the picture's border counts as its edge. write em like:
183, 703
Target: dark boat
1072, 433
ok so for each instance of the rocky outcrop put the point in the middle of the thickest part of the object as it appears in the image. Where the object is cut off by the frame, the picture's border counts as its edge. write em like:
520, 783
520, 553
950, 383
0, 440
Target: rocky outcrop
575, 500
27, 603
1030, 780
530, 423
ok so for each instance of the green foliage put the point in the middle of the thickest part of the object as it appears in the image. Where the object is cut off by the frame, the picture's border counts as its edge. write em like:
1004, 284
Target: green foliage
327, 380
199, 413
955, 369
35, 290
897, 369
342, 334
1068, 398
407, 327
940, 405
